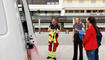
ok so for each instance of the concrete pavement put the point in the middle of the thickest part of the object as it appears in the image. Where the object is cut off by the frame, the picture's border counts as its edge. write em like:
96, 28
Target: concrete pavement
65, 49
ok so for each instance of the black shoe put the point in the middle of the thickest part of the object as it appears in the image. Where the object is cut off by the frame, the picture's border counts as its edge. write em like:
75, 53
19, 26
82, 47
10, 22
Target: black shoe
49, 57
54, 58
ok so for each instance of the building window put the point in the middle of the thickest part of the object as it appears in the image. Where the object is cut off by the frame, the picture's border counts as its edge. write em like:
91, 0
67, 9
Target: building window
42, 2
93, 1
76, 11
68, 1
94, 11
44, 13
3, 25
81, 1
88, 11
100, 11
69, 11
52, 2
103, 1
82, 11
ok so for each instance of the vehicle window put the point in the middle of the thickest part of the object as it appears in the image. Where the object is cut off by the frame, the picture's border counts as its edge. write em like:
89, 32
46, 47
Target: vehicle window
3, 27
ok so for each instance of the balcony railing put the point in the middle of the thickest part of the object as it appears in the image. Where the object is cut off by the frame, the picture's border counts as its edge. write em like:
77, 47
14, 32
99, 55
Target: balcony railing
71, 14
84, 14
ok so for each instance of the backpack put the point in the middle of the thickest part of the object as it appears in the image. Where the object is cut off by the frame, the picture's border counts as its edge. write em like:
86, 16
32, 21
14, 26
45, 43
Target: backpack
99, 37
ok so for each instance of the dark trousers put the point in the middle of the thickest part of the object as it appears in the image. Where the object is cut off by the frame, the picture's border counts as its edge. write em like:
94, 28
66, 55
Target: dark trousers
77, 42
96, 54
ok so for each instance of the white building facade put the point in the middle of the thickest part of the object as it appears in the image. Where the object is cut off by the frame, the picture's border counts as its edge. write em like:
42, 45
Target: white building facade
67, 7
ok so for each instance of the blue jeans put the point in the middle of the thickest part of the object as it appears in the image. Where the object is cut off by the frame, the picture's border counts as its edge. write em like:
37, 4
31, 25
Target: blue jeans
91, 54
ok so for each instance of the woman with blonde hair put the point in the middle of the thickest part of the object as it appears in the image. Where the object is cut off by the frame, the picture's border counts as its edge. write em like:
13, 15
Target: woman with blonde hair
77, 38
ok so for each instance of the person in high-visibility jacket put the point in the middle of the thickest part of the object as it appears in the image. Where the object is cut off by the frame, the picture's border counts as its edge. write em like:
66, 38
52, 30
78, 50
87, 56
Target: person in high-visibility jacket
54, 30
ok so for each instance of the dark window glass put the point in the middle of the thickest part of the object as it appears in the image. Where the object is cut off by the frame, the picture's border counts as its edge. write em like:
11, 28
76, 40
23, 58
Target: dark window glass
71, 11
88, 11
82, 11
67, 11
100, 11
76, 11
94, 11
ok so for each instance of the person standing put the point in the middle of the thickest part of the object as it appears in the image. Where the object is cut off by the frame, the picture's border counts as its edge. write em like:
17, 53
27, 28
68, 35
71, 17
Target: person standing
99, 39
54, 30
90, 42
76, 39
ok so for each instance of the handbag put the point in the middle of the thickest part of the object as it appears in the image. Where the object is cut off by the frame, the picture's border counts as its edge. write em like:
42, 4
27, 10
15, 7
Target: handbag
81, 34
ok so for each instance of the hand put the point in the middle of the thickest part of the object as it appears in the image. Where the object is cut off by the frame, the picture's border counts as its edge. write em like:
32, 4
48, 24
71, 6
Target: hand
49, 29
57, 32
76, 29
72, 39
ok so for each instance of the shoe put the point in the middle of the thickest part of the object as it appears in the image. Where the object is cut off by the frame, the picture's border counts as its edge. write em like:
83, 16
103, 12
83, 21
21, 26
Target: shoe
49, 57
54, 58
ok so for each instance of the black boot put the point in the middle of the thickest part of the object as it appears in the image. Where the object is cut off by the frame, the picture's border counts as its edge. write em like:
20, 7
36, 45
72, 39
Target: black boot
54, 58
49, 57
